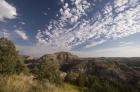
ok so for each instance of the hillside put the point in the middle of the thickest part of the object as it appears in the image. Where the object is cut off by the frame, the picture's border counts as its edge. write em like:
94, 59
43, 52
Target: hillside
108, 69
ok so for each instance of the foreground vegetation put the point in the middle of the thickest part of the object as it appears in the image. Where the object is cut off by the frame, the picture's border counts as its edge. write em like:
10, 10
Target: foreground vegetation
62, 72
24, 83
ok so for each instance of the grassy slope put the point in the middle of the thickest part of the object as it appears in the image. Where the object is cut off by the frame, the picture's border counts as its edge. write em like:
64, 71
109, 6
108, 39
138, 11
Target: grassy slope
67, 88
23, 83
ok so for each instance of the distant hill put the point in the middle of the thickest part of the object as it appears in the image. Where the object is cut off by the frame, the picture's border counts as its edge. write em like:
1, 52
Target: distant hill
60, 57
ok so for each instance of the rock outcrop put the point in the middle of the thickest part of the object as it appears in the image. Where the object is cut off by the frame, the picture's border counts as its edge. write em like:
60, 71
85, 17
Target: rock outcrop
61, 57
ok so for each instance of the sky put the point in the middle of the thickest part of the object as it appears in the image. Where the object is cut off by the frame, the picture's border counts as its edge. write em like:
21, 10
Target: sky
88, 28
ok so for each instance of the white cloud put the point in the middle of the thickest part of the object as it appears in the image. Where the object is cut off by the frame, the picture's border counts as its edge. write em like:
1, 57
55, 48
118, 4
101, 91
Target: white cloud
123, 44
23, 23
95, 43
62, 1
45, 13
74, 13
4, 33
72, 30
21, 34
7, 11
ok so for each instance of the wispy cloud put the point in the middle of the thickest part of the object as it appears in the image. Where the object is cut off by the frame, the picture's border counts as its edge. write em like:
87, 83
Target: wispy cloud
36, 50
4, 33
22, 23
125, 51
79, 24
123, 44
7, 11
21, 34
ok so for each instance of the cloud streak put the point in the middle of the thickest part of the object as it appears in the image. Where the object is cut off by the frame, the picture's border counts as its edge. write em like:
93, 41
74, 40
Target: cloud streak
125, 51
21, 34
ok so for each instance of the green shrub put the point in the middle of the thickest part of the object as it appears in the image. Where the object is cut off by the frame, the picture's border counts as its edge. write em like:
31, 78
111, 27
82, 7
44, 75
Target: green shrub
9, 60
95, 84
48, 69
71, 77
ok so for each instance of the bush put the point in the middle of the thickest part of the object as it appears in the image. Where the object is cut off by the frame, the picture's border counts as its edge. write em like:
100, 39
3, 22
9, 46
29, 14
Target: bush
48, 69
9, 60
95, 84
71, 77
91, 83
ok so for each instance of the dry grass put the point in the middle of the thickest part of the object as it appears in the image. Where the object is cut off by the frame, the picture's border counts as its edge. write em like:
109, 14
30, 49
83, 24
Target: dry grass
14, 83
67, 88
23, 83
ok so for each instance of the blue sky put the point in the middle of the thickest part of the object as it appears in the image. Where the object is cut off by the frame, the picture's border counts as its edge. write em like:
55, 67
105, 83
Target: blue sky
89, 28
